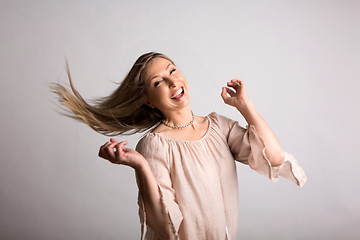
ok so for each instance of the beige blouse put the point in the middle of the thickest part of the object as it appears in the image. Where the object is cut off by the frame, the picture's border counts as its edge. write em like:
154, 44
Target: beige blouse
198, 179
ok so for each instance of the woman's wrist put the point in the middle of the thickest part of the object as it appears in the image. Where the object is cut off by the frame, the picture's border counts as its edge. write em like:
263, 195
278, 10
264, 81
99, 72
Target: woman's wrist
244, 105
141, 165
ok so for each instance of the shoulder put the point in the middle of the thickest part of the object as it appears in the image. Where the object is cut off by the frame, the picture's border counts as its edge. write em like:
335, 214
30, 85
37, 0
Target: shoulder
220, 120
225, 125
154, 149
145, 143
152, 145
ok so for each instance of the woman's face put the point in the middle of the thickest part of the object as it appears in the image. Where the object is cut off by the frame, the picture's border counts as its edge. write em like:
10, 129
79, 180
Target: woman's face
166, 87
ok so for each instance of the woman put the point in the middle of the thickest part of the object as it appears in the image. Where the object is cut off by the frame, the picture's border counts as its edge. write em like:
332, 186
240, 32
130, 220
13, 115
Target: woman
184, 165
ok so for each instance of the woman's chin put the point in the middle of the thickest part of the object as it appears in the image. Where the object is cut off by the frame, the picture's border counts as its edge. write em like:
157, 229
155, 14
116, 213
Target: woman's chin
183, 103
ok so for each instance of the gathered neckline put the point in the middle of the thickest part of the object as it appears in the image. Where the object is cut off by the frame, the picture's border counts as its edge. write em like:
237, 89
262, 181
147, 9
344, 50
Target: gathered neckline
184, 141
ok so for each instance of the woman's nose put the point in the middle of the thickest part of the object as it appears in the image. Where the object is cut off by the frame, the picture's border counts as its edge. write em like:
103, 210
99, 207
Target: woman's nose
172, 83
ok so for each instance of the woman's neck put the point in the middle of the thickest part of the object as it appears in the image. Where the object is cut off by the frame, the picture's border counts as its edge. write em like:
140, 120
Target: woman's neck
179, 117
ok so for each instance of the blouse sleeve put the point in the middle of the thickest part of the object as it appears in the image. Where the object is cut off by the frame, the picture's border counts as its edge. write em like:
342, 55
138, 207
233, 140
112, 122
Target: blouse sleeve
155, 156
248, 148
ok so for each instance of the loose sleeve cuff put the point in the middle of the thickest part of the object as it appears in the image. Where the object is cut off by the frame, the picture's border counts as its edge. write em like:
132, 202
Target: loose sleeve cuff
174, 214
258, 161
289, 169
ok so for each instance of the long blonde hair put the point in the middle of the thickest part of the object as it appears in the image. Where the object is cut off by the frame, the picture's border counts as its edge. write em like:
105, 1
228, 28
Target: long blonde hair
122, 112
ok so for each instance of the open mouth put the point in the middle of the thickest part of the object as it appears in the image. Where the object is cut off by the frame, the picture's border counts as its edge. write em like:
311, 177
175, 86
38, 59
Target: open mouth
178, 94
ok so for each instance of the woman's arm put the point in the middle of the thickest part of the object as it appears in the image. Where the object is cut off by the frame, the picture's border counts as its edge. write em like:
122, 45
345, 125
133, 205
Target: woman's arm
156, 216
240, 100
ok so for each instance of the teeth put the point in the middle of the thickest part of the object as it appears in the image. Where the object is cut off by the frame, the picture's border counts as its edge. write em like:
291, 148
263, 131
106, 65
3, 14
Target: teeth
177, 93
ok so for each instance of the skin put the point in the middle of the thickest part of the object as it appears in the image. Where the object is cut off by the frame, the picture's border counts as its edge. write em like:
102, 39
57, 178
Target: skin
177, 113
162, 78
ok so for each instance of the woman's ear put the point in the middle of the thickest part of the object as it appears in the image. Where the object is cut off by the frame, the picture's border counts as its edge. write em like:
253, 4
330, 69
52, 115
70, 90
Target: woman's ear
149, 104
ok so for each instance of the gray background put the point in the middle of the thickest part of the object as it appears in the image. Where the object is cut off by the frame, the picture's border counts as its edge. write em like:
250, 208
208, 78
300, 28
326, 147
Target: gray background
299, 61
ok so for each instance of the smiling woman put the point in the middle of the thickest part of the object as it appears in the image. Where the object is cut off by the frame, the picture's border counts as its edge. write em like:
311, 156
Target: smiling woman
185, 164
166, 87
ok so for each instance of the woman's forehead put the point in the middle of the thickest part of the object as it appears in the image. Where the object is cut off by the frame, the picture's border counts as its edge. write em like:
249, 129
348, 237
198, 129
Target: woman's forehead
156, 66
158, 62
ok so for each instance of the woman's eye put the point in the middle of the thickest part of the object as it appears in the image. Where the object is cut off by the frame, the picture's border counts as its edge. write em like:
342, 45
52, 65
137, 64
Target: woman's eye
172, 71
157, 83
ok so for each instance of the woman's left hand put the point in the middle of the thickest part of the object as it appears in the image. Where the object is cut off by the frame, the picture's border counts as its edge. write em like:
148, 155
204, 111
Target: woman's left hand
237, 98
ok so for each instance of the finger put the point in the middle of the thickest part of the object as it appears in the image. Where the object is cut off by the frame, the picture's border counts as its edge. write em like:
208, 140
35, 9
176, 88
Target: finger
108, 152
235, 85
223, 94
230, 92
111, 148
106, 144
102, 149
240, 83
236, 80
120, 148
114, 140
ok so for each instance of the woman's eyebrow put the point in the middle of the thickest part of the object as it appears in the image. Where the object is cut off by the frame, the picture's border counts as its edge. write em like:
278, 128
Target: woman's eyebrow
158, 75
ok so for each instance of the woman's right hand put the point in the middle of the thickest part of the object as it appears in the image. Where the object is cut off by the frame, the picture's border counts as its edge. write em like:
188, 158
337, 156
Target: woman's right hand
115, 152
